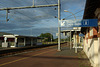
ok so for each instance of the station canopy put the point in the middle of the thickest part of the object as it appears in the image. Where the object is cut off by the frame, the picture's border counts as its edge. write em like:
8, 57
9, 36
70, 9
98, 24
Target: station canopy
89, 12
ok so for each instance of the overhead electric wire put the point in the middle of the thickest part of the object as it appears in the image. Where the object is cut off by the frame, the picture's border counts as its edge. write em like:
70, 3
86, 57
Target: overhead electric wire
79, 11
48, 3
73, 17
74, 13
51, 30
82, 10
19, 4
51, 11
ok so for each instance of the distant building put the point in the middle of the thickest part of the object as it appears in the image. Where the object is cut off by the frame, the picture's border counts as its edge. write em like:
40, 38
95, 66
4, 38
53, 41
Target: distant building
19, 41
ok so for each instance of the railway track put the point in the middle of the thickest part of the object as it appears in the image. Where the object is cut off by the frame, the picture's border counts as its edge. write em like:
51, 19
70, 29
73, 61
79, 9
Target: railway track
16, 51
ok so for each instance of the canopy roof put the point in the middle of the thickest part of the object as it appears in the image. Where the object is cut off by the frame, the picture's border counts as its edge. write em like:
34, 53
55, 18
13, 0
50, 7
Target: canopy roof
89, 12
90, 8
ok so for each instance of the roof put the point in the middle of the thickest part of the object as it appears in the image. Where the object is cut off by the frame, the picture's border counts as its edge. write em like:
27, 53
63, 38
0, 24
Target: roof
69, 30
89, 12
90, 8
73, 30
19, 36
3, 33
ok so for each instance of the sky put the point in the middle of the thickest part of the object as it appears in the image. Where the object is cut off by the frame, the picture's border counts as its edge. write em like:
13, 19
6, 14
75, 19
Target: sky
34, 21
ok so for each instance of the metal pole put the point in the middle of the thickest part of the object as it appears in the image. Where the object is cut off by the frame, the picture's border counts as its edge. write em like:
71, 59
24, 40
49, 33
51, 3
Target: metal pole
59, 26
5, 40
70, 39
33, 3
6, 15
64, 38
24, 41
15, 41
51, 37
75, 42
75, 45
26, 7
31, 41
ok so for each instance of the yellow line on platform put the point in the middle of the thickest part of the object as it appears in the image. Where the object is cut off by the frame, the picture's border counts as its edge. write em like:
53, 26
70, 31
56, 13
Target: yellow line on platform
25, 58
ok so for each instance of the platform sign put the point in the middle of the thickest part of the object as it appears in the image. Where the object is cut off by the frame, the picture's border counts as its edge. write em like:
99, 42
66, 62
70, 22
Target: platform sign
79, 23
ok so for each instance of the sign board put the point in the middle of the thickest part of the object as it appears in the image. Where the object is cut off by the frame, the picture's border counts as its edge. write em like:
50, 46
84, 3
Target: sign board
79, 23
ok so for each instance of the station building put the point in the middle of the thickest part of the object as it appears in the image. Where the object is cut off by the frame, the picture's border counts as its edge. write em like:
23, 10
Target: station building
92, 34
19, 41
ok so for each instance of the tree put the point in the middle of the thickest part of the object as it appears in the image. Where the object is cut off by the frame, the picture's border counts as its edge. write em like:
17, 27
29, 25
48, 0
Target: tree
56, 40
46, 37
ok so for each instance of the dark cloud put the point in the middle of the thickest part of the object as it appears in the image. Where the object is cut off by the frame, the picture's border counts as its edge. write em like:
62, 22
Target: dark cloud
21, 21
33, 32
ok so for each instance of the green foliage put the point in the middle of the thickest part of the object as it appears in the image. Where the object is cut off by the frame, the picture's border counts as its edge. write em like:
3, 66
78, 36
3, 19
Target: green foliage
56, 40
62, 40
0, 45
46, 37
67, 39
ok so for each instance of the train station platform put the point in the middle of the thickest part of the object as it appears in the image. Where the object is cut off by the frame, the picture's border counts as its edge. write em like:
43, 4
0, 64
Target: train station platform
74, 59
48, 57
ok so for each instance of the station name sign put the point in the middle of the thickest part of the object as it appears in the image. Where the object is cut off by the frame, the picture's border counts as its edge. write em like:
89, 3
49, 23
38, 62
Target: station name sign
79, 23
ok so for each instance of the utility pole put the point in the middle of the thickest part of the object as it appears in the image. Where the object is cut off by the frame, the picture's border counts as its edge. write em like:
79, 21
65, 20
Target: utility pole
59, 35
75, 42
70, 39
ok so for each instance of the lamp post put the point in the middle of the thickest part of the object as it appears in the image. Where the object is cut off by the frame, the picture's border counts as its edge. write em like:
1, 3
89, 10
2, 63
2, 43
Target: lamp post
51, 38
75, 33
71, 13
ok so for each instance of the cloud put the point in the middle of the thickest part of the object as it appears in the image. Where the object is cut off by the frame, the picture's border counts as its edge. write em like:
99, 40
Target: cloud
21, 21
33, 32
13, 26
